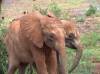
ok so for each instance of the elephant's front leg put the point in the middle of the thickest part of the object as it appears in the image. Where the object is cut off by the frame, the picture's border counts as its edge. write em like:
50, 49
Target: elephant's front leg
51, 61
13, 64
39, 59
62, 64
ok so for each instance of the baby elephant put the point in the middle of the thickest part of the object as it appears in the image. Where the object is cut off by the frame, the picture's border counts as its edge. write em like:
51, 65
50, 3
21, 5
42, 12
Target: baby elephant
39, 39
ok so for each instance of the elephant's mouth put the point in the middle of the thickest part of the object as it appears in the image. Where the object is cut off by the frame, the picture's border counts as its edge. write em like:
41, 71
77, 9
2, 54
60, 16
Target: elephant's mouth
70, 43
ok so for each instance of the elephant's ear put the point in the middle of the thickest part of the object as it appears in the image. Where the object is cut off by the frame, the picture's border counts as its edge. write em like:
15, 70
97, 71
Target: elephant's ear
31, 28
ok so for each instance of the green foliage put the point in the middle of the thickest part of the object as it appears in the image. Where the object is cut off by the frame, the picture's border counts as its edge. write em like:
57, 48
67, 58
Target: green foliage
64, 15
85, 66
38, 8
3, 53
91, 11
80, 19
91, 39
55, 8
3, 57
91, 50
97, 14
52, 7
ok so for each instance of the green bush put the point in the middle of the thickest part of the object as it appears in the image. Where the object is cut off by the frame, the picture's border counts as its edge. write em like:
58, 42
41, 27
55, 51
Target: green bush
41, 10
80, 18
85, 66
97, 14
91, 11
3, 53
91, 50
91, 39
55, 8
64, 15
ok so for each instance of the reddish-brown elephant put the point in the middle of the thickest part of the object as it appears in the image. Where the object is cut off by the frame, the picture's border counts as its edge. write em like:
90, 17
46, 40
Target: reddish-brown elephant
72, 40
39, 39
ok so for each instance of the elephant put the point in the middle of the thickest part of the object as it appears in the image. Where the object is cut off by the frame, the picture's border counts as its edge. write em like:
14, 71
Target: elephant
72, 40
39, 39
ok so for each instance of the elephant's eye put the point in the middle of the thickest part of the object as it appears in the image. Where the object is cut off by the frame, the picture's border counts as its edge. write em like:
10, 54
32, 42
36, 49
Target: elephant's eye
72, 36
51, 37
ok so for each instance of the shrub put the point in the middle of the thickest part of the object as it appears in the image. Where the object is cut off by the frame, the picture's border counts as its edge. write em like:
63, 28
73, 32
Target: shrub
80, 19
41, 10
55, 8
64, 15
91, 39
97, 14
91, 11
3, 53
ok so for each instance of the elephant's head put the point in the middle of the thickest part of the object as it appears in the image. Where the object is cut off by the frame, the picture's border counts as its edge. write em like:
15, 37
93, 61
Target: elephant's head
53, 33
72, 40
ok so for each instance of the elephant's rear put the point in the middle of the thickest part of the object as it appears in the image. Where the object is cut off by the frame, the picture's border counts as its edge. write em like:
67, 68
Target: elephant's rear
12, 36
16, 46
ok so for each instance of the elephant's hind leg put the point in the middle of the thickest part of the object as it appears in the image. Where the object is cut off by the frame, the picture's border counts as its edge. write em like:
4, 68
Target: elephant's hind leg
12, 69
13, 65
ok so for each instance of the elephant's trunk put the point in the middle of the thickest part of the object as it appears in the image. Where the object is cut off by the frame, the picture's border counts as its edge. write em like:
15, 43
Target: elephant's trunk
77, 58
60, 61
